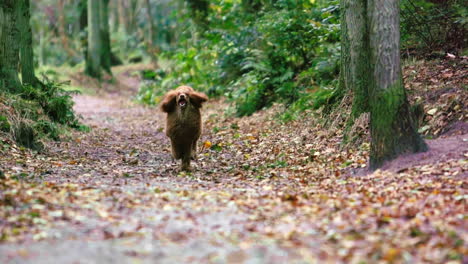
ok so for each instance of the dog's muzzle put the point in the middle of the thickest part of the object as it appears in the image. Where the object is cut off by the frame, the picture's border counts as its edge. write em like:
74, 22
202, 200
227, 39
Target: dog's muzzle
182, 100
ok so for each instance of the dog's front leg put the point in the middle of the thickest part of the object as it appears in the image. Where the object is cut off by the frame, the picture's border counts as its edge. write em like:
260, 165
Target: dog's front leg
194, 149
186, 162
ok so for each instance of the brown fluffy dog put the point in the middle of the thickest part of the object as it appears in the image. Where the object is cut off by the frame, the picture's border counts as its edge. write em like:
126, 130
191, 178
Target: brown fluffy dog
183, 123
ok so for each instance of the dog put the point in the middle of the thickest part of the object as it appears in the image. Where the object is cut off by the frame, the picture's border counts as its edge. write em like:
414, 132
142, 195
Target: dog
183, 122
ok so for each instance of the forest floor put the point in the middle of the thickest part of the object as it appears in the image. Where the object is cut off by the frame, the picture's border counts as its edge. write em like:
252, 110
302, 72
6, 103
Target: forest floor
261, 192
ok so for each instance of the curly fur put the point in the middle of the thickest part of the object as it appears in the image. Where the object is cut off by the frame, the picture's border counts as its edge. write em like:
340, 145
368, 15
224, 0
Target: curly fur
183, 122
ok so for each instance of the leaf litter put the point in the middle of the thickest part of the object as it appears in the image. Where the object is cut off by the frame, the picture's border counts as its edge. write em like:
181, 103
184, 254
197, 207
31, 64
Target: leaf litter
261, 191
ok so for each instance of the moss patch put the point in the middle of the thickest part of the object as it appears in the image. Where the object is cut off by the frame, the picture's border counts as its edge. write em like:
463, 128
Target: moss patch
4, 124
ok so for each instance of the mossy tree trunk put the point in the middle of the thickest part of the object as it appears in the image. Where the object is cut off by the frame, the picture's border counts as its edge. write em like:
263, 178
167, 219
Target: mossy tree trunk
392, 126
83, 21
354, 69
106, 53
9, 48
26, 46
355, 54
371, 74
93, 56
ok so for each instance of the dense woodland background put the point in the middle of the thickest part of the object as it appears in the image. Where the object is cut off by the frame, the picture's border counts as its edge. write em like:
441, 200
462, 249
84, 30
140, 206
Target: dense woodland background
253, 53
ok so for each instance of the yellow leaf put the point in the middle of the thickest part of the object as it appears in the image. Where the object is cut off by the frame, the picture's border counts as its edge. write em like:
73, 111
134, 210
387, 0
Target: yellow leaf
207, 144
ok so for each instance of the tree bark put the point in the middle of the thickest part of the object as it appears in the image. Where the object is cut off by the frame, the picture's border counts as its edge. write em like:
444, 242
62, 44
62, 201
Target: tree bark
122, 6
94, 39
42, 47
391, 123
114, 16
353, 80
26, 49
150, 23
62, 29
355, 54
152, 49
105, 37
9, 48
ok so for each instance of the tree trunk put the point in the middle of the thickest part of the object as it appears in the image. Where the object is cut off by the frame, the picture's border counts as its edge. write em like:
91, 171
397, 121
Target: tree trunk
392, 127
152, 49
42, 47
132, 14
354, 68
122, 6
9, 48
150, 23
355, 54
105, 37
83, 21
114, 16
62, 29
26, 49
94, 39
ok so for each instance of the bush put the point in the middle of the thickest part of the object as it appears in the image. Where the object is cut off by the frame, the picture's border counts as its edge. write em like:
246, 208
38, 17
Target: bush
55, 101
427, 25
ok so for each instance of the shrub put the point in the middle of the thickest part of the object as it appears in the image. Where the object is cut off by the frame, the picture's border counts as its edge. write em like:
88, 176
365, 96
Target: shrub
429, 24
55, 101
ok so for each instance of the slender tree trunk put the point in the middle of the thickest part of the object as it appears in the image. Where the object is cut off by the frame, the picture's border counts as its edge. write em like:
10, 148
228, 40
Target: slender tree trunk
132, 14
122, 6
26, 49
83, 10
62, 29
392, 127
42, 49
152, 49
105, 37
114, 16
94, 39
150, 23
9, 48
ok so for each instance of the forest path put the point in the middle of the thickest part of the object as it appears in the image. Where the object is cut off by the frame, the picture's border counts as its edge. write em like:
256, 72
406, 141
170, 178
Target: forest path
262, 192
122, 199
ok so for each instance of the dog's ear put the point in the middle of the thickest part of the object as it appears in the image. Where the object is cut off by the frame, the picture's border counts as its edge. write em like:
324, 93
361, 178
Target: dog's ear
169, 102
198, 98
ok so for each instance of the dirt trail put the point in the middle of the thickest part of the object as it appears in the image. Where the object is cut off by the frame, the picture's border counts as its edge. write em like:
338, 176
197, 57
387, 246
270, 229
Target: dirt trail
125, 161
265, 194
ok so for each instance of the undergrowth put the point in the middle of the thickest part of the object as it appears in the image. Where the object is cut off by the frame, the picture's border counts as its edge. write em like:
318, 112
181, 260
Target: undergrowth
37, 114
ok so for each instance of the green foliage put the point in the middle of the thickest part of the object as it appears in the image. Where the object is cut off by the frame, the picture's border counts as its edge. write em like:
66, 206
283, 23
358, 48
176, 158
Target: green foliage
428, 25
151, 91
48, 129
38, 112
281, 53
4, 124
55, 101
